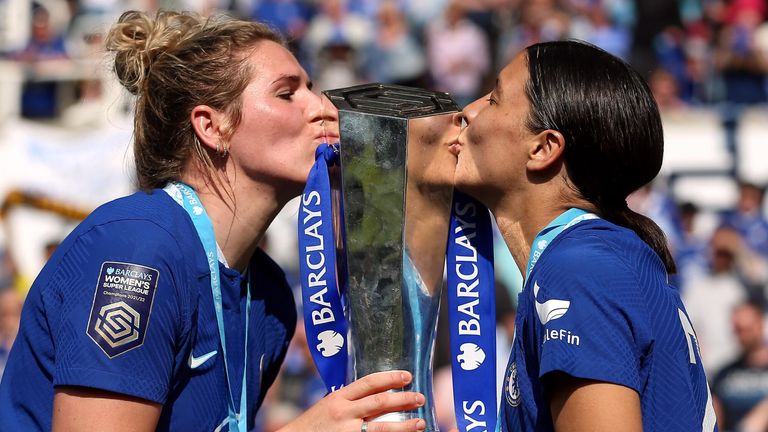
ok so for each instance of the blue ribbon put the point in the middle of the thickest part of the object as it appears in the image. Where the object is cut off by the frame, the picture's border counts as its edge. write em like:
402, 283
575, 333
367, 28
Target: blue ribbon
472, 314
324, 320
566, 220
238, 421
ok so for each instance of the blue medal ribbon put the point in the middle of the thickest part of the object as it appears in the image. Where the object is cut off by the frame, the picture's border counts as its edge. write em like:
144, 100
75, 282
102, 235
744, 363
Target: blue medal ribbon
566, 220
472, 314
324, 320
188, 199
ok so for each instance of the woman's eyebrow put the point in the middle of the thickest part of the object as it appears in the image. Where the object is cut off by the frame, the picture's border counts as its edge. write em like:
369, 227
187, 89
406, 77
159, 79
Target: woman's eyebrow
288, 77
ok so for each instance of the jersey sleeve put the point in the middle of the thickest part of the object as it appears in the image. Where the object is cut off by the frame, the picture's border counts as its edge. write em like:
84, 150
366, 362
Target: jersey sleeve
590, 319
117, 310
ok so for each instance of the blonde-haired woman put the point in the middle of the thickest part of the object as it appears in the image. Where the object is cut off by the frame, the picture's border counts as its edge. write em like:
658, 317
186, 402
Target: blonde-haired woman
160, 312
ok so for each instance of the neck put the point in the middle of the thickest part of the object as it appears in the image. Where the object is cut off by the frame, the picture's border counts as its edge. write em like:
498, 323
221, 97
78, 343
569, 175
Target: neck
521, 216
240, 220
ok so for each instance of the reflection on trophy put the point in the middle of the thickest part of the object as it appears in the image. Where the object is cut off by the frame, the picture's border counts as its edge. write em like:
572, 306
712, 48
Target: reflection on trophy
396, 189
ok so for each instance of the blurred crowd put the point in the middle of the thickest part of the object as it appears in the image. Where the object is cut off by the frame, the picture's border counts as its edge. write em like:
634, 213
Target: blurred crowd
693, 52
710, 54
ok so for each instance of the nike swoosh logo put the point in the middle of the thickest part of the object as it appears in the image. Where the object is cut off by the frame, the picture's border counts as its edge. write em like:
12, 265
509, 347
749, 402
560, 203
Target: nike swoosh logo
195, 362
261, 367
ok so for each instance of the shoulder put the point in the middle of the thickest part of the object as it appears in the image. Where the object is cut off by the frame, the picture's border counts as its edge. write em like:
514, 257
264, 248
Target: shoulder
587, 303
601, 237
601, 262
144, 230
148, 223
155, 207
600, 247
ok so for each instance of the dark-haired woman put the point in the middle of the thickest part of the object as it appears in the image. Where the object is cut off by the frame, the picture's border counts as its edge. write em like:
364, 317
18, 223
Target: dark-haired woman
159, 312
602, 341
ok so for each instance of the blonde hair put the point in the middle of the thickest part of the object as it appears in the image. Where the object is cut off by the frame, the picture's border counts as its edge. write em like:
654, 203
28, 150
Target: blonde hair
172, 63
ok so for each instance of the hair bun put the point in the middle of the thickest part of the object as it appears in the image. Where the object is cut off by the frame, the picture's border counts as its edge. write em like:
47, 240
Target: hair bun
138, 40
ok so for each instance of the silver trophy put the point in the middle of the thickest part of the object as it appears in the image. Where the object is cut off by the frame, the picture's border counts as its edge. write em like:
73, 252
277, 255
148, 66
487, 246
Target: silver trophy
395, 186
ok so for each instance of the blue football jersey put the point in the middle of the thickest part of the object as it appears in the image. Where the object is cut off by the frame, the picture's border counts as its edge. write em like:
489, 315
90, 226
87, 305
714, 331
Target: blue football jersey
598, 306
125, 305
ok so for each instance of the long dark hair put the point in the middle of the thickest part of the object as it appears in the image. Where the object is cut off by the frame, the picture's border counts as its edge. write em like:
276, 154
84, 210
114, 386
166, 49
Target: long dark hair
614, 142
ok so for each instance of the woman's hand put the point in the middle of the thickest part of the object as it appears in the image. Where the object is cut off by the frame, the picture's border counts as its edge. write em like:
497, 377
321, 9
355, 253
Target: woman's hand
345, 410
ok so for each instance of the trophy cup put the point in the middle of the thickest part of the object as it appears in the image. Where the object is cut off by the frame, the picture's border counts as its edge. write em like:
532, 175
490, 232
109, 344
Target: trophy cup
395, 191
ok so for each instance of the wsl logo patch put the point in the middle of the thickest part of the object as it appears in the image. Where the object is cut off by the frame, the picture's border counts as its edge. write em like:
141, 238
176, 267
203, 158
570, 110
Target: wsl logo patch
121, 307
118, 324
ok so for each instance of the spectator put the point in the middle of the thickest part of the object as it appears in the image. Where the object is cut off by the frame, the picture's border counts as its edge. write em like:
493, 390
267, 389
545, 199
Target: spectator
671, 54
666, 90
747, 217
335, 27
458, 54
652, 18
598, 28
10, 313
290, 17
38, 98
395, 56
701, 85
337, 65
742, 384
742, 64
691, 252
538, 21
421, 13
653, 201
709, 299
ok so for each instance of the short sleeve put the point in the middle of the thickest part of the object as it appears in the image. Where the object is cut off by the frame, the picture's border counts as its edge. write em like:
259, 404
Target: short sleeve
590, 318
116, 309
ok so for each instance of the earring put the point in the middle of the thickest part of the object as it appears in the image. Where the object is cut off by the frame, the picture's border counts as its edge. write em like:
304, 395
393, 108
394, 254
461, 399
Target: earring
222, 150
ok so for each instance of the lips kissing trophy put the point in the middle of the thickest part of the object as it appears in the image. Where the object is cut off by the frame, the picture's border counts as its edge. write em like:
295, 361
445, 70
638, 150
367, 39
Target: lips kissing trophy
379, 220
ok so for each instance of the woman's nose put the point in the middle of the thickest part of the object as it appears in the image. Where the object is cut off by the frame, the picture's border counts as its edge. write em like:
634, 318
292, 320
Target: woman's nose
470, 111
324, 110
459, 119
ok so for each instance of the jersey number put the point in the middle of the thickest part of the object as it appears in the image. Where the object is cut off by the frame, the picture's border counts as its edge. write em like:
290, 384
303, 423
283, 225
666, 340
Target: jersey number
690, 336
709, 421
